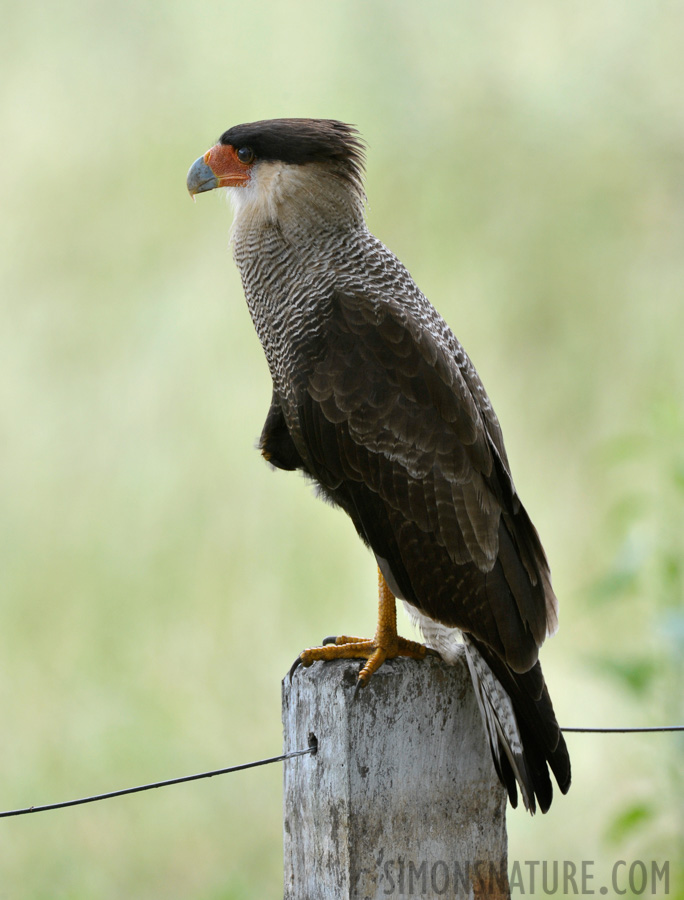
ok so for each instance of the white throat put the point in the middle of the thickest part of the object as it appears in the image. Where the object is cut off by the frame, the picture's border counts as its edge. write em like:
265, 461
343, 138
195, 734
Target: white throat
296, 197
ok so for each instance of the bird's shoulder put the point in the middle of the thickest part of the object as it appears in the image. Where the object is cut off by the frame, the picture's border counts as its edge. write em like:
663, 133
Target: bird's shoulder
389, 366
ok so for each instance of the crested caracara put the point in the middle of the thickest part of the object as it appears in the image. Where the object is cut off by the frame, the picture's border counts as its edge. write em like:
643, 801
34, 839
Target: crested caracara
377, 402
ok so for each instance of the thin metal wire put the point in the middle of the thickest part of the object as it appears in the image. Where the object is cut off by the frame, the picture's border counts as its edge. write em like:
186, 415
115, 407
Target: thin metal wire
625, 730
312, 748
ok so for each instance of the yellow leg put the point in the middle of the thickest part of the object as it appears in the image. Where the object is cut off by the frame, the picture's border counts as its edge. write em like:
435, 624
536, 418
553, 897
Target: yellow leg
385, 645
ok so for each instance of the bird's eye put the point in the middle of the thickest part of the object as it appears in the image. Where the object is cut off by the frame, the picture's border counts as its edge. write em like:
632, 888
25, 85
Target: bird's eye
245, 155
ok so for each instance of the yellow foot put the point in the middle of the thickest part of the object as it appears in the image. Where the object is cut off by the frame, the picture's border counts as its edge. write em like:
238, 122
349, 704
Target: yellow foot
375, 651
385, 645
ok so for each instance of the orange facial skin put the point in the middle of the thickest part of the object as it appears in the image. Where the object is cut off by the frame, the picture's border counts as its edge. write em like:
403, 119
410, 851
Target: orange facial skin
223, 162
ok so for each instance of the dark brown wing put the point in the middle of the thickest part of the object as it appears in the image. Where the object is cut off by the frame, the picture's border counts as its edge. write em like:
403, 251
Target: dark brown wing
275, 442
402, 436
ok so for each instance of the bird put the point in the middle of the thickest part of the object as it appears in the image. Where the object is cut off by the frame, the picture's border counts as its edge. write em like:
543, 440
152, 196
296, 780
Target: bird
375, 400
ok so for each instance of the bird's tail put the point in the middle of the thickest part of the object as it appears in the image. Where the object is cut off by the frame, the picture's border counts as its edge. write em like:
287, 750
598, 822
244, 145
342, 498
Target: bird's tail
521, 727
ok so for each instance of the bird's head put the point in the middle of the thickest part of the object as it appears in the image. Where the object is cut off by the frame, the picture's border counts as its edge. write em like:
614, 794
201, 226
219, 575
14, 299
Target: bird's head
300, 163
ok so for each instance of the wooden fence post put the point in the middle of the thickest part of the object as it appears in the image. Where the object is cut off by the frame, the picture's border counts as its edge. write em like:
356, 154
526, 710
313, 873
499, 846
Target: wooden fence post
401, 798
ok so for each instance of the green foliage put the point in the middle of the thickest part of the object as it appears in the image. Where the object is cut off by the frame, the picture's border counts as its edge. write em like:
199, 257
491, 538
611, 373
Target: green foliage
157, 579
646, 586
630, 819
635, 675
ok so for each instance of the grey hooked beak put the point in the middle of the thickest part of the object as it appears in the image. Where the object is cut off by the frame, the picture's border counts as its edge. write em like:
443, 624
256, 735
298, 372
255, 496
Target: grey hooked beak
201, 178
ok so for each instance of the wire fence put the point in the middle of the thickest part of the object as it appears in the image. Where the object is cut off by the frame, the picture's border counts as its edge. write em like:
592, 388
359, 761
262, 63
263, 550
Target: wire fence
310, 750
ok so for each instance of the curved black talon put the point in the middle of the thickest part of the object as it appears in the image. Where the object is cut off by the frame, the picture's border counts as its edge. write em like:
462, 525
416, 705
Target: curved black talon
293, 668
360, 683
331, 639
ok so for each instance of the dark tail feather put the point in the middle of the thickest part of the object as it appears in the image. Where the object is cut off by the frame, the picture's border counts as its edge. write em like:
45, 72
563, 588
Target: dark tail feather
521, 727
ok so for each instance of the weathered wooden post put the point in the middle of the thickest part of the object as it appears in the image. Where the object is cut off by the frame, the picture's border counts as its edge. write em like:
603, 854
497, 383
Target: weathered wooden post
401, 798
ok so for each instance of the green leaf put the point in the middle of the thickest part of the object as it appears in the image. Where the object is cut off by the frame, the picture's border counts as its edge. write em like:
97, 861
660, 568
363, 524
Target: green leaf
629, 820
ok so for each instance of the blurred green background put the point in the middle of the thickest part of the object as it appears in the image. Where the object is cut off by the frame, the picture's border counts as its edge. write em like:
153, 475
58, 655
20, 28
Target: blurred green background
526, 161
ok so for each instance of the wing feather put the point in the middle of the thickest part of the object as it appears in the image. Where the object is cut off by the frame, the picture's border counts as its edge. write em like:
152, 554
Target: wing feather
393, 423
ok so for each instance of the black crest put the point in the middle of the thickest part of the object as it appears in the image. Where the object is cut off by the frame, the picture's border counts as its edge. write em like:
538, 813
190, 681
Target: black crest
301, 141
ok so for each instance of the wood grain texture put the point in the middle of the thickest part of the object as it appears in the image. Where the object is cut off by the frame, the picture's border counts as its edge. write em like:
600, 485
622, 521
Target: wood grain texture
401, 798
